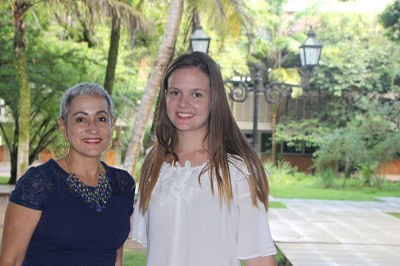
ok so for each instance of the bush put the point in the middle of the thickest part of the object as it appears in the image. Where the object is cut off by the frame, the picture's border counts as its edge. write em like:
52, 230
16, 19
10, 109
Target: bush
281, 171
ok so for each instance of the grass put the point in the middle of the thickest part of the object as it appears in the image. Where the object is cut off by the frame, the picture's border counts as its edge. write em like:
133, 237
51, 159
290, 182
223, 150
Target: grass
4, 179
311, 187
134, 258
276, 204
395, 214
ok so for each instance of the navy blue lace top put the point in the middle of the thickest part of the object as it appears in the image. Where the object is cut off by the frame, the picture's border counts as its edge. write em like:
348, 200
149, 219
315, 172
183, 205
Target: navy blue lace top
70, 232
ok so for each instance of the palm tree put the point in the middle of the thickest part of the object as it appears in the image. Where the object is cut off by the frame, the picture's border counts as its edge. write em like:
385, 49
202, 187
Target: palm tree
223, 13
116, 10
163, 58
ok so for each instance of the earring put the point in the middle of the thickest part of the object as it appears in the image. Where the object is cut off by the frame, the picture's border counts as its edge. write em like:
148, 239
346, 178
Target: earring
66, 146
109, 145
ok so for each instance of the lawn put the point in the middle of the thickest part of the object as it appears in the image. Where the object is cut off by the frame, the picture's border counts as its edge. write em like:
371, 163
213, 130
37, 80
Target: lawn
4, 179
311, 187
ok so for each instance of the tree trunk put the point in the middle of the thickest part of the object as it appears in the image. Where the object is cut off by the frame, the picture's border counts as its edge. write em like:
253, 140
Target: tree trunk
274, 122
145, 110
20, 9
112, 52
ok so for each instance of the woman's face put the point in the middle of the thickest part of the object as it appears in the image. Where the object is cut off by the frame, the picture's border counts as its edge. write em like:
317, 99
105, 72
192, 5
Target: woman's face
188, 99
89, 125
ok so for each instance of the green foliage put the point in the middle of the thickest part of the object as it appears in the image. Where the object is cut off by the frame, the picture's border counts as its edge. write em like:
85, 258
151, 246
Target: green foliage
310, 131
328, 176
278, 172
390, 19
367, 174
341, 147
56, 61
363, 144
287, 75
358, 73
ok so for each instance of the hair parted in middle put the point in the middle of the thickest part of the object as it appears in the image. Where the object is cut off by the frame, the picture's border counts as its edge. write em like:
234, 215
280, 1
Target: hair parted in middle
223, 137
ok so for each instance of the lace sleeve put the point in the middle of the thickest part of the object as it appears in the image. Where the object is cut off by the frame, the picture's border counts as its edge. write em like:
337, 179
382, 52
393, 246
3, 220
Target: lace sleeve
126, 183
31, 190
125, 186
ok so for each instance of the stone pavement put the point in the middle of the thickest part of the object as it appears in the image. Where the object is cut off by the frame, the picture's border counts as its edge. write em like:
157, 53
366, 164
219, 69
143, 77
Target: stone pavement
324, 232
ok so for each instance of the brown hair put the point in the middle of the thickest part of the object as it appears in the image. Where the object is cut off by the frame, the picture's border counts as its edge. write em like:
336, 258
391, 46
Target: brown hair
223, 137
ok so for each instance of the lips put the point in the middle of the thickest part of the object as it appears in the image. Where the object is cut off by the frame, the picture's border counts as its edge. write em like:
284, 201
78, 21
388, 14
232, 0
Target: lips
92, 140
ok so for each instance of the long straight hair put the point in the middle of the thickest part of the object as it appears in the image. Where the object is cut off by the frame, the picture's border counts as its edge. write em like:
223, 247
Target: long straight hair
223, 137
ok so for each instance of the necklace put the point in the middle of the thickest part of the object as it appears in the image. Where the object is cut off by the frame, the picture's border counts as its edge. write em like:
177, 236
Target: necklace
95, 199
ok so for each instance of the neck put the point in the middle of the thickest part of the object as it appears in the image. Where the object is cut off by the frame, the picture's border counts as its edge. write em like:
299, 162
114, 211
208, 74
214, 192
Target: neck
190, 142
192, 150
86, 170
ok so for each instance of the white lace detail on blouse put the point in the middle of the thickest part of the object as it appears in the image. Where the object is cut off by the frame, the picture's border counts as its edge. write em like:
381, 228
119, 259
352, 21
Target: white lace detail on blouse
174, 180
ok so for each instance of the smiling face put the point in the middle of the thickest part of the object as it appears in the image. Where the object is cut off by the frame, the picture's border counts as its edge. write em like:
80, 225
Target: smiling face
188, 100
88, 127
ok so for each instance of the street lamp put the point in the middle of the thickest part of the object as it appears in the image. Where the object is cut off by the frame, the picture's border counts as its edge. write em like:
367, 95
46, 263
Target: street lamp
199, 41
310, 53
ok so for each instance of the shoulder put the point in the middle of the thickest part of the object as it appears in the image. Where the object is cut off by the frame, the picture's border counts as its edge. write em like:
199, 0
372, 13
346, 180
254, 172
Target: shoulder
237, 167
38, 174
123, 179
32, 189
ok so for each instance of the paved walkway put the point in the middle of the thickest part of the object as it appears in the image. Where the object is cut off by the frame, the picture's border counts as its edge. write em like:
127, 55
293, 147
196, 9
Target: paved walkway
322, 232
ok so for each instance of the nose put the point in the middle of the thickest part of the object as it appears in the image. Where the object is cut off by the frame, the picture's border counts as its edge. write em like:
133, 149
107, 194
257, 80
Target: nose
93, 127
183, 101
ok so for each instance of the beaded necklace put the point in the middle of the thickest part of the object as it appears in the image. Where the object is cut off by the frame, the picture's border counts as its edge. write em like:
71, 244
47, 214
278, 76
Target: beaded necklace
95, 199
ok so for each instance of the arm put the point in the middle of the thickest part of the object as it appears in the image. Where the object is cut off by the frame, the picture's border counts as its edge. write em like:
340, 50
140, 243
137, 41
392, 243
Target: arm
261, 261
19, 224
118, 261
255, 244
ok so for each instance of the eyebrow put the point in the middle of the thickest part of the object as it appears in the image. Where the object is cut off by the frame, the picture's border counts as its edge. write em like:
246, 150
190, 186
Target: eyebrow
84, 113
193, 89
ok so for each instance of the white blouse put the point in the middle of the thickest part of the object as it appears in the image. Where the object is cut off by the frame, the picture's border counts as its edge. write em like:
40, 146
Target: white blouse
186, 226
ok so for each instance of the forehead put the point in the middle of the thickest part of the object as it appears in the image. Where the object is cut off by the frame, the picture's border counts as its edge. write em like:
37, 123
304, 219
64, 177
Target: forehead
188, 77
89, 102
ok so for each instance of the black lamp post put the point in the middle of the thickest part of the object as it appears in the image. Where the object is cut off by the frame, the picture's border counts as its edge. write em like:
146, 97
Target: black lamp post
310, 53
199, 41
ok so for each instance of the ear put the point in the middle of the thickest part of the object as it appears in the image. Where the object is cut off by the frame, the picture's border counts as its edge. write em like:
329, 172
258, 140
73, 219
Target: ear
62, 126
113, 121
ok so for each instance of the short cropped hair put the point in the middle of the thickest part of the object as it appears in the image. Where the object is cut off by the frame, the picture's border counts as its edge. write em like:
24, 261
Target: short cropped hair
83, 89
